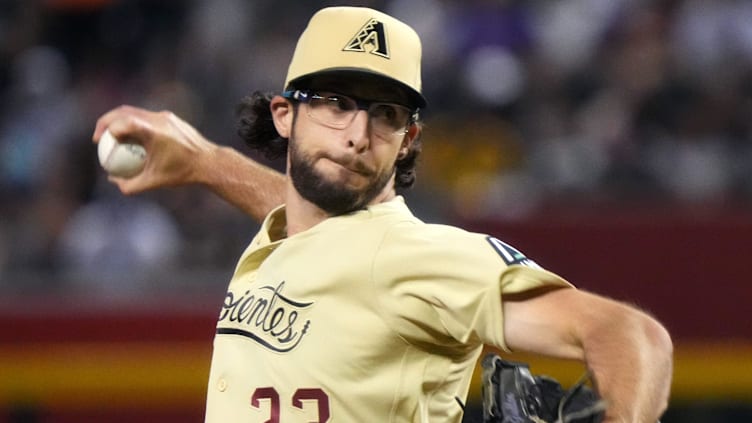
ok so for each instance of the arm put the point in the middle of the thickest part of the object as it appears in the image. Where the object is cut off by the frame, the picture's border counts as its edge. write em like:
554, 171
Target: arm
177, 154
628, 352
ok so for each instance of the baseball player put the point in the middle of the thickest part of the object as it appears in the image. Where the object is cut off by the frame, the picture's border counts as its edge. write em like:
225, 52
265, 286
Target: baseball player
347, 308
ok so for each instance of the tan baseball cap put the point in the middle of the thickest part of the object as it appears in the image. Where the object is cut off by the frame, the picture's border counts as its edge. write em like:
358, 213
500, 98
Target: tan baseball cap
361, 40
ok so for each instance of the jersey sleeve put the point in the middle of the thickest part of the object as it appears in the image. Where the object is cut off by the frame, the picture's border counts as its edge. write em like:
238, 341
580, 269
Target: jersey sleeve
443, 286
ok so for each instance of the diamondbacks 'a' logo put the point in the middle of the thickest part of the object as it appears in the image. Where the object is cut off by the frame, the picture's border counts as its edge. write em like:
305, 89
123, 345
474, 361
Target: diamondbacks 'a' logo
372, 34
509, 254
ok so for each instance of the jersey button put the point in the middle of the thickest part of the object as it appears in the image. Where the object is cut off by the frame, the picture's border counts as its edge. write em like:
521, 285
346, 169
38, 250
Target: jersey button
222, 385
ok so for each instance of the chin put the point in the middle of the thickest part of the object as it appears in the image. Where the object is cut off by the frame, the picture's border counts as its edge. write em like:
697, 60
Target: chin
332, 187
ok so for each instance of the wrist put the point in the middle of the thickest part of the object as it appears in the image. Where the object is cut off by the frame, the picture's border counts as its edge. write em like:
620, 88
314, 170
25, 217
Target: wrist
207, 163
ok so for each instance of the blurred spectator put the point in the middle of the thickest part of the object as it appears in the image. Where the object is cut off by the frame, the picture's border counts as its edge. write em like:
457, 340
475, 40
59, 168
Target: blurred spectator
117, 245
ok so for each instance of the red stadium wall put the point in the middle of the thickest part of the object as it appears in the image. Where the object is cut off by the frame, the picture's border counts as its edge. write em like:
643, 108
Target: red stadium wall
62, 360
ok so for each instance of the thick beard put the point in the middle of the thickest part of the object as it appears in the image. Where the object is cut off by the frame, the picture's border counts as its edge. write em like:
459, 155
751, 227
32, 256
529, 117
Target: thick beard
332, 198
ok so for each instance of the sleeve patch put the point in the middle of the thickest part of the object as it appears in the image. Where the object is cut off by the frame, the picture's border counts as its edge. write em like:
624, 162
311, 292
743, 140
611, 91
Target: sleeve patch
509, 254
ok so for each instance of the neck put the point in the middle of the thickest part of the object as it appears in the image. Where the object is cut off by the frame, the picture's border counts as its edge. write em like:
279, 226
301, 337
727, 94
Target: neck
301, 214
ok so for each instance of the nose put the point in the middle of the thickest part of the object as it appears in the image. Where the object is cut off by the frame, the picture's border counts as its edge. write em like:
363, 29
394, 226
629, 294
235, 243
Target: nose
358, 133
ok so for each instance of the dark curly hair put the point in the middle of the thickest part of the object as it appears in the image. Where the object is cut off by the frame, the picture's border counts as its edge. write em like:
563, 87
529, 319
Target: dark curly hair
256, 129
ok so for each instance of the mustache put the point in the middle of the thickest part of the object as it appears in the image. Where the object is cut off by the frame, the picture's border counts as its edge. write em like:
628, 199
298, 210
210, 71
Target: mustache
353, 163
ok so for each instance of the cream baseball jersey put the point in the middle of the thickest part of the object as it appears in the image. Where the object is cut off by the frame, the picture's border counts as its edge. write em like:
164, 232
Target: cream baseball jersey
373, 316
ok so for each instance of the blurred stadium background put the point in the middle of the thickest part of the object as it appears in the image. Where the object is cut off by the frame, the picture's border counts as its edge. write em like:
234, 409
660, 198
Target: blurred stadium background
609, 140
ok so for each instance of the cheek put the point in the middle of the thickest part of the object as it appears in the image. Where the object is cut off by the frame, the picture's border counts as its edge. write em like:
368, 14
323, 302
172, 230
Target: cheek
314, 137
387, 153
303, 139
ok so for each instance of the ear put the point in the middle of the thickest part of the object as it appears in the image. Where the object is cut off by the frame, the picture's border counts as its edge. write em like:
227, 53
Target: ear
412, 133
282, 114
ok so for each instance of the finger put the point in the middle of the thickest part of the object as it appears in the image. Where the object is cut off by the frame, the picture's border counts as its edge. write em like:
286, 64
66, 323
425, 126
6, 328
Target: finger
134, 128
107, 118
127, 121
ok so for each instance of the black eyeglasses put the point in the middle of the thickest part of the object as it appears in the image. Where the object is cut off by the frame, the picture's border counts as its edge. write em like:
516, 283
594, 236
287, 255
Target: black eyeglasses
338, 111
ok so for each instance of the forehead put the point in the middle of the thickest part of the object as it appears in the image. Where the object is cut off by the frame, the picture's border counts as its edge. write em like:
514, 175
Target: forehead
367, 87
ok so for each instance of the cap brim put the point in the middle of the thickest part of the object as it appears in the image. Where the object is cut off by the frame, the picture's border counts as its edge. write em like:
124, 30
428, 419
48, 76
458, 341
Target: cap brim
415, 98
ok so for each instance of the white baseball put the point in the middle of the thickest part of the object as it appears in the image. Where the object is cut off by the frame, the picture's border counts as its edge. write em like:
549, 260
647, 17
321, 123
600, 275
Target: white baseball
120, 159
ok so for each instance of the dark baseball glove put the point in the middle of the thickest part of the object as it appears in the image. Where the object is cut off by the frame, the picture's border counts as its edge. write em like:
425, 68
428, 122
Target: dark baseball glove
511, 394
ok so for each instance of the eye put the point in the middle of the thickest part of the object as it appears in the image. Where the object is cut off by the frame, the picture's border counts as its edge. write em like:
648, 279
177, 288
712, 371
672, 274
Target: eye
383, 111
391, 113
339, 102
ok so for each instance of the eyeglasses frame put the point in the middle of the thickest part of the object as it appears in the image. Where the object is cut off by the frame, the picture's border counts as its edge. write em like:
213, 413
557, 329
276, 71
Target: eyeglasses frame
305, 96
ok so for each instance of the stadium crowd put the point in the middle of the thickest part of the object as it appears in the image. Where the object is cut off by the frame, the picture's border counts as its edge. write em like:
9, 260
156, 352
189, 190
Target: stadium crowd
533, 106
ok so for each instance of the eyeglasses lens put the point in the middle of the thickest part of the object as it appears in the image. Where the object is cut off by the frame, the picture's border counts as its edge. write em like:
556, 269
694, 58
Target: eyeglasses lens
338, 111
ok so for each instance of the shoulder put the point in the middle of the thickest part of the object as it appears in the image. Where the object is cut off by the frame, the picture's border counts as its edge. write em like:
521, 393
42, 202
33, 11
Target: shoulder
450, 253
413, 237
410, 250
